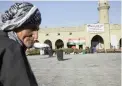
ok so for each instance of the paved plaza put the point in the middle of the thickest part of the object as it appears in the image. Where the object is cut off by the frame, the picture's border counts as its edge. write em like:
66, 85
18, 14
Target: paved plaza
78, 70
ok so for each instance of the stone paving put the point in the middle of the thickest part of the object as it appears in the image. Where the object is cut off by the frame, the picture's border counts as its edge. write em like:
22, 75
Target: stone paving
78, 70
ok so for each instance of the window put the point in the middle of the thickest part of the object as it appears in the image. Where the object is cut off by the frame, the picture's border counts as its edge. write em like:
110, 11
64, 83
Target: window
47, 34
70, 33
58, 33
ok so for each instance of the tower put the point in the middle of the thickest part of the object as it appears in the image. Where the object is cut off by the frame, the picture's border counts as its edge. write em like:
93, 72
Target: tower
103, 9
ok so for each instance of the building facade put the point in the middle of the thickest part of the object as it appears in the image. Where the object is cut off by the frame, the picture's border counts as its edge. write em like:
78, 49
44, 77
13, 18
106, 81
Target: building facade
102, 35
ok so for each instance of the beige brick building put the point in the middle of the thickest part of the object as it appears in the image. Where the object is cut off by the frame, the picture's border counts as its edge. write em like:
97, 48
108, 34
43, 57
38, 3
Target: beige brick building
101, 35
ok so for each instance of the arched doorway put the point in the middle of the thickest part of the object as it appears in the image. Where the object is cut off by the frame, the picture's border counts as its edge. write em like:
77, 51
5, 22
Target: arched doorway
59, 44
46, 48
120, 43
70, 45
48, 42
97, 42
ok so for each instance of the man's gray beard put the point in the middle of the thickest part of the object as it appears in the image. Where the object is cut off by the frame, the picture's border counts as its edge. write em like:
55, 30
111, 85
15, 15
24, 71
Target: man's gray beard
29, 46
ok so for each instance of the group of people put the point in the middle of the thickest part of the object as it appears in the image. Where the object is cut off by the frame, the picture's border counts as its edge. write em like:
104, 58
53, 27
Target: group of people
18, 31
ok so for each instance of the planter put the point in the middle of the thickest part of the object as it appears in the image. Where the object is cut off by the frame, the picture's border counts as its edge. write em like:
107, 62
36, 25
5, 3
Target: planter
110, 50
60, 55
76, 51
50, 52
117, 50
84, 51
101, 51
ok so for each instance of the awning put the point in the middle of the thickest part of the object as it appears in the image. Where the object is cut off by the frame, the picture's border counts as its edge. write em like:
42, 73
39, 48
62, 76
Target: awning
80, 43
71, 43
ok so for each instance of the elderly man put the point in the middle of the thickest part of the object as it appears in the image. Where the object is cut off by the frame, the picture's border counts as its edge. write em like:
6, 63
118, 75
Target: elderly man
18, 31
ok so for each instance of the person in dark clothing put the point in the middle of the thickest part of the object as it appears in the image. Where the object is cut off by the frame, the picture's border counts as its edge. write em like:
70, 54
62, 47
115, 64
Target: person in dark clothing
18, 31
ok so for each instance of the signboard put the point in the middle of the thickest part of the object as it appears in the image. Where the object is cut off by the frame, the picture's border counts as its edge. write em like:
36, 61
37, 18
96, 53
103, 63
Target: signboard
95, 28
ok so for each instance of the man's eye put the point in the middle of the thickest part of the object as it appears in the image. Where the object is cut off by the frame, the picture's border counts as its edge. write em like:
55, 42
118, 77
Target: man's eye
30, 35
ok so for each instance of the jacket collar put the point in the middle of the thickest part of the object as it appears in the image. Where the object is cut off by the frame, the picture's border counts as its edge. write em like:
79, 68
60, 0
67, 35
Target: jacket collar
2, 33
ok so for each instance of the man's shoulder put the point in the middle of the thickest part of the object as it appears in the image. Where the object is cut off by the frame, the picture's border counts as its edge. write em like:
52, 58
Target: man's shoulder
10, 46
8, 43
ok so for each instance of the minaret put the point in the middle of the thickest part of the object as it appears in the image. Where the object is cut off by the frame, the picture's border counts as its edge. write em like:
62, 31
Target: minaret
103, 11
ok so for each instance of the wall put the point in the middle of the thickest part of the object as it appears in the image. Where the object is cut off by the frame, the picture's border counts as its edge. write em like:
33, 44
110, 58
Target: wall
77, 32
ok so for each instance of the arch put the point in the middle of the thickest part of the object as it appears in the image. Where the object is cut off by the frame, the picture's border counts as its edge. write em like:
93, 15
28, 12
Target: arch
120, 43
59, 44
97, 42
48, 42
46, 49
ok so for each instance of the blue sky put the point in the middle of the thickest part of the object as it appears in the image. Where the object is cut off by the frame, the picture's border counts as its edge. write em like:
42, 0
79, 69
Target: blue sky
70, 13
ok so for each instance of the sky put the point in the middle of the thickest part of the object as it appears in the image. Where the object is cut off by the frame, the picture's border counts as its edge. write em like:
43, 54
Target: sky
70, 13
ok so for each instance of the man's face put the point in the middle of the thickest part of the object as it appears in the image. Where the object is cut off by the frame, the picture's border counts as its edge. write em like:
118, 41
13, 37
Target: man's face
28, 35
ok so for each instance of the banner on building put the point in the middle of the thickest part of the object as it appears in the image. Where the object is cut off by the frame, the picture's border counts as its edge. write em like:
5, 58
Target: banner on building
76, 41
95, 28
